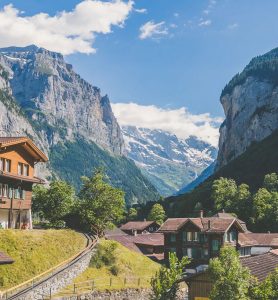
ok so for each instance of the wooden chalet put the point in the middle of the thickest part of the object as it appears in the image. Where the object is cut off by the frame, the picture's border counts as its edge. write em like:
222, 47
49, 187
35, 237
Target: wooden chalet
18, 157
260, 266
139, 227
200, 238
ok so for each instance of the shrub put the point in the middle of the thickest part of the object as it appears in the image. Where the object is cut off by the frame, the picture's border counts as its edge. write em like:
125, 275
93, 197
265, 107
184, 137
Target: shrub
105, 256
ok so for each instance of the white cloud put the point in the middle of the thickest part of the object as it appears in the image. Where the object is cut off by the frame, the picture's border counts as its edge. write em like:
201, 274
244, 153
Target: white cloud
233, 26
178, 121
141, 10
153, 30
176, 15
204, 23
65, 32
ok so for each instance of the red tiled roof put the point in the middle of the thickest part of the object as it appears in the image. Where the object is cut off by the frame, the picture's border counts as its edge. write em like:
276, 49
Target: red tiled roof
260, 239
262, 265
132, 242
213, 224
136, 225
5, 259
171, 225
245, 240
9, 141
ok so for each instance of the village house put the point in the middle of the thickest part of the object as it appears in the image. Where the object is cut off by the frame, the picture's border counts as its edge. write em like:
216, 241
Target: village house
139, 227
260, 266
18, 157
201, 238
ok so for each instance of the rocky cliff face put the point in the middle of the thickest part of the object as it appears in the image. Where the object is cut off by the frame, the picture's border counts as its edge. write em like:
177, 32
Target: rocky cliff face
42, 97
170, 163
250, 103
57, 100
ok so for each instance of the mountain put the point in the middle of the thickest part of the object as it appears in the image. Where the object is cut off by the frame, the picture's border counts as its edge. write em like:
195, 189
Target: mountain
201, 178
167, 161
248, 137
250, 102
42, 97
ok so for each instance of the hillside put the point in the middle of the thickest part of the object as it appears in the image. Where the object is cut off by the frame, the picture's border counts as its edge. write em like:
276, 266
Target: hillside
126, 263
42, 97
250, 167
167, 161
70, 161
35, 252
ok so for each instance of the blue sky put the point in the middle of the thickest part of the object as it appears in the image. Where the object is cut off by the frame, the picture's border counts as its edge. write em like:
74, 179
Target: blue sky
199, 46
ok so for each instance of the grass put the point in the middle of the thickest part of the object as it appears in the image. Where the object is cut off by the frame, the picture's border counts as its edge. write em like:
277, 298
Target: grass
133, 270
35, 252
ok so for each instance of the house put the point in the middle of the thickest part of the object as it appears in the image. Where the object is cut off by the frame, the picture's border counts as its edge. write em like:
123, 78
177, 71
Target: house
200, 238
140, 227
151, 244
5, 259
18, 157
258, 243
260, 266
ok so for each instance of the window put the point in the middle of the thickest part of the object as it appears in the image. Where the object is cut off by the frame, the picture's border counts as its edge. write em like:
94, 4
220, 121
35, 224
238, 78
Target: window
172, 237
23, 169
26, 173
2, 164
215, 245
189, 252
7, 165
189, 236
184, 236
11, 192
205, 253
195, 236
245, 251
5, 190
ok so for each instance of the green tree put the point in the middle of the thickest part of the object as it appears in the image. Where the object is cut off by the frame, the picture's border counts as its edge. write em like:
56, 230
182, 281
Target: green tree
164, 284
231, 279
157, 214
267, 290
271, 182
242, 204
55, 202
101, 205
132, 214
223, 193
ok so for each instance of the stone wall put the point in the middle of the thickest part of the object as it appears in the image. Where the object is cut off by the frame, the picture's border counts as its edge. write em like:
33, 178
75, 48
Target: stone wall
57, 281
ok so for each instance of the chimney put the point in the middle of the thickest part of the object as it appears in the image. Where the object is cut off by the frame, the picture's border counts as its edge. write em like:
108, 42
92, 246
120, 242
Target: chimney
201, 213
208, 224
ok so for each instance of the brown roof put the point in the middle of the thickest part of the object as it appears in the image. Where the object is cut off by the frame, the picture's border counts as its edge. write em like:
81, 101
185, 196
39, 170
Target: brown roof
262, 265
137, 225
171, 225
132, 242
213, 224
259, 239
5, 259
27, 144
245, 240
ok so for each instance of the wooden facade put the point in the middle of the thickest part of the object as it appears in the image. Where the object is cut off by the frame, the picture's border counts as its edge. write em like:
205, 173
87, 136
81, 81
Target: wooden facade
200, 239
18, 157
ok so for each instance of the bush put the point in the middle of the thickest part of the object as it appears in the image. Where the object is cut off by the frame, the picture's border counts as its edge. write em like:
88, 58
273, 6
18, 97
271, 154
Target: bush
105, 256
114, 270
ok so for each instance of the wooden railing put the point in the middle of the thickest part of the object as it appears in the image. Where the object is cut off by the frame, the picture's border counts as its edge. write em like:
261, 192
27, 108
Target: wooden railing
31, 283
111, 283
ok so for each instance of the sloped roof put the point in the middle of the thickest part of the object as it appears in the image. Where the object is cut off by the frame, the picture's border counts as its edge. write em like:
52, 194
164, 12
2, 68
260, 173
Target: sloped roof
213, 224
27, 144
262, 265
114, 232
171, 224
5, 259
132, 242
259, 239
137, 225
